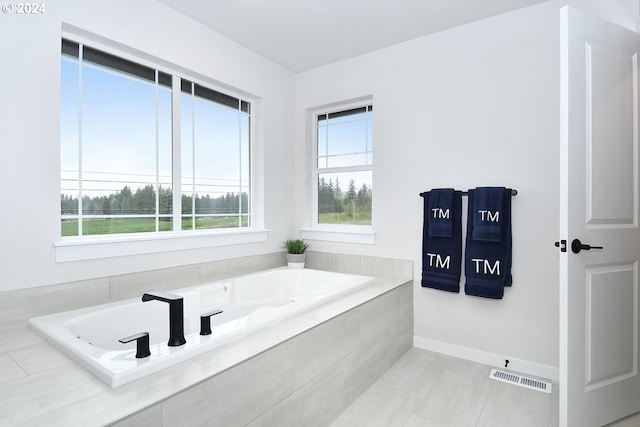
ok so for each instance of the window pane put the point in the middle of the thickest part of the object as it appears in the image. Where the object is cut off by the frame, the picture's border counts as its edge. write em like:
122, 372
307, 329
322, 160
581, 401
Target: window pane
345, 198
322, 143
344, 140
347, 160
349, 137
117, 225
186, 139
216, 164
245, 175
116, 153
165, 153
69, 140
217, 157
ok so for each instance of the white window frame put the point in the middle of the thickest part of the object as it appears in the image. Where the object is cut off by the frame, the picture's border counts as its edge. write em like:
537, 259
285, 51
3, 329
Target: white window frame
345, 233
74, 248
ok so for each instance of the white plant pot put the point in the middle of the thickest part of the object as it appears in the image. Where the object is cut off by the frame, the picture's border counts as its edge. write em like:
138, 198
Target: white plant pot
295, 260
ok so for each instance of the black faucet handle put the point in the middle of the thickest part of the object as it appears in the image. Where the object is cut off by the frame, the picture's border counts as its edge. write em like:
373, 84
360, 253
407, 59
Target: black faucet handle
205, 321
161, 296
142, 344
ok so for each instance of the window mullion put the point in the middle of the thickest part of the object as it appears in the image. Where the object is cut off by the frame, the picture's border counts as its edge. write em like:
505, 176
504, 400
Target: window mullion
80, 187
157, 192
193, 158
345, 169
176, 154
239, 165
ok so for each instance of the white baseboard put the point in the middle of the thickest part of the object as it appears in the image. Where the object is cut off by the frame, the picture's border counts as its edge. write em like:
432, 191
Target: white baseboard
492, 359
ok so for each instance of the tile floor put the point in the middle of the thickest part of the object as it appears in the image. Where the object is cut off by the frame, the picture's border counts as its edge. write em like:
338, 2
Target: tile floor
632, 421
425, 389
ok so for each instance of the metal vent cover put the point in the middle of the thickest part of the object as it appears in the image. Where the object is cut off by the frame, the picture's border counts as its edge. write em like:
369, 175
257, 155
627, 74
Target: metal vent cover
510, 378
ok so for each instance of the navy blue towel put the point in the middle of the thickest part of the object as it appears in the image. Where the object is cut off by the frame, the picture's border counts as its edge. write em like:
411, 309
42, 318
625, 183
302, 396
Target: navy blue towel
488, 260
440, 205
488, 214
442, 256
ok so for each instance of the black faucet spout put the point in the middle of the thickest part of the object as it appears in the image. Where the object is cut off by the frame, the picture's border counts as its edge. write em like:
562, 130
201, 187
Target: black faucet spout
176, 315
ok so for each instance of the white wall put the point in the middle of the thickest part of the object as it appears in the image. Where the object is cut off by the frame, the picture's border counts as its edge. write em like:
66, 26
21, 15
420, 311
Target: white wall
29, 113
476, 105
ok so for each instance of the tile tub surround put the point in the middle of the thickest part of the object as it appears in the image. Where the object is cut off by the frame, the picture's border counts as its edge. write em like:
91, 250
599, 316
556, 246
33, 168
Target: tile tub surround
40, 386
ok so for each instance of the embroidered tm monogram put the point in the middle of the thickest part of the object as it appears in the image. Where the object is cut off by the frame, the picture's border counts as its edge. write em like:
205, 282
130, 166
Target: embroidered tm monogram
435, 260
440, 213
489, 216
486, 267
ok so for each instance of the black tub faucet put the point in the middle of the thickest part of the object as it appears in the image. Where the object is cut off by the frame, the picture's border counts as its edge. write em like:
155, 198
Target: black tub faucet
176, 315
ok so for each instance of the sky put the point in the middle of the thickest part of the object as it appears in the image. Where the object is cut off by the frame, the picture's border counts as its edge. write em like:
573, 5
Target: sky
348, 142
119, 131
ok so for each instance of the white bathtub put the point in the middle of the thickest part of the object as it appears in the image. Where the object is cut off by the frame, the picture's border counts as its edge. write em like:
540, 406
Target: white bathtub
250, 302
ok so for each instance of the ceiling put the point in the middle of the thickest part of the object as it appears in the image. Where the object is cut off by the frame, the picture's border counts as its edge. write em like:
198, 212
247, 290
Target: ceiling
305, 34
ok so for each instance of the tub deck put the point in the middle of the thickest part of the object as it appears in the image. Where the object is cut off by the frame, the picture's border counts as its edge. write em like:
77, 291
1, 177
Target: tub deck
60, 392
90, 336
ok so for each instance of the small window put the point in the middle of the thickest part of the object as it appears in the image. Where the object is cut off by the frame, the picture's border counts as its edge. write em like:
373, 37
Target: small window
343, 167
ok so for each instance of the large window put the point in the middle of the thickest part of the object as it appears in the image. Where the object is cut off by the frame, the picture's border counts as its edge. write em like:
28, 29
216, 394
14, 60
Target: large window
344, 158
118, 173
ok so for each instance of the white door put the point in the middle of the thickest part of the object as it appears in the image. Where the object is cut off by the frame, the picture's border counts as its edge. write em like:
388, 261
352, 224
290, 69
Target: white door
599, 379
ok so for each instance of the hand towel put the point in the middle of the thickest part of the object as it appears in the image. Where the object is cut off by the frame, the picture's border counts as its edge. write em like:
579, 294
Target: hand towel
488, 252
440, 205
488, 214
442, 256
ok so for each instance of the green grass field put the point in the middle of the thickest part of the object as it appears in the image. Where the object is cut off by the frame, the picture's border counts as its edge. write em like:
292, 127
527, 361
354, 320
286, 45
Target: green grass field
344, 218
143, 225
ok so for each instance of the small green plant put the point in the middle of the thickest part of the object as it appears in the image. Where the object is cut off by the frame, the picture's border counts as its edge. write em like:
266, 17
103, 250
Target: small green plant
295, 246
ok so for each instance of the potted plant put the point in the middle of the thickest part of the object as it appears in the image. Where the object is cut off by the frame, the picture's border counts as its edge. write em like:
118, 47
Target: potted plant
295, 252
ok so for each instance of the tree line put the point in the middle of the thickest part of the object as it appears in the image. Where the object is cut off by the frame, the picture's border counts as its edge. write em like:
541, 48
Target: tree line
331, 198
143, 202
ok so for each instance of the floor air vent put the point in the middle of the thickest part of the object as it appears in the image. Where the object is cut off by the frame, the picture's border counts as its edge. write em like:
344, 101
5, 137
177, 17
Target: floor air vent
510, 378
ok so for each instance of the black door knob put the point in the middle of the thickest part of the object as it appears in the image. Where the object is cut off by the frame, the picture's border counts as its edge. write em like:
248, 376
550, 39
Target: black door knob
577, 246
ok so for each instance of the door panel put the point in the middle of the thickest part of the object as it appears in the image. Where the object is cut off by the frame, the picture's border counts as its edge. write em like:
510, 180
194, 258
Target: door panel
610, 313
611, 75
599, 379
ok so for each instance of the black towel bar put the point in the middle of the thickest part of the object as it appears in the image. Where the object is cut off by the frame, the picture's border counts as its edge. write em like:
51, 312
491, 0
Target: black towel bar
464, 193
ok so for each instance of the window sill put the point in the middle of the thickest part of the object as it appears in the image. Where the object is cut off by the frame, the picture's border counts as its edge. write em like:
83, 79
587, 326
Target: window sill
96, 247
366, 237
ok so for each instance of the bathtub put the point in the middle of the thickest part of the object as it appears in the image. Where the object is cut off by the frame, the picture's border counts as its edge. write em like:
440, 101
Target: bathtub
248, 303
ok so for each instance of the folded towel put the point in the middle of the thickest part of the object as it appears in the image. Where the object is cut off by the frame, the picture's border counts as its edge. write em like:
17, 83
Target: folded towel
487, 260
440, 205
442, 256
487, 213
